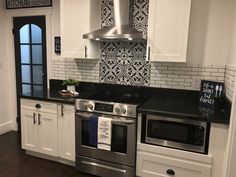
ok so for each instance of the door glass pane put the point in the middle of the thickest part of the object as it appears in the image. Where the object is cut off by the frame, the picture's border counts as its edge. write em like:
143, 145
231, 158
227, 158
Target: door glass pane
24, 34
37, 75
25, 54
26, 74
119, 138
37, 54
85, 134
26, 90
37, 91
36, 34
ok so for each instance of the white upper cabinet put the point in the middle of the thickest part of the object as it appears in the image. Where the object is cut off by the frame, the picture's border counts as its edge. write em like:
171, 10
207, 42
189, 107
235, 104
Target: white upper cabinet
79, 17
168, 26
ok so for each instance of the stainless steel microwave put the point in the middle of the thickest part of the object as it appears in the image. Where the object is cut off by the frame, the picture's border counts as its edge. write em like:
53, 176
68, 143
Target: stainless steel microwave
176, 133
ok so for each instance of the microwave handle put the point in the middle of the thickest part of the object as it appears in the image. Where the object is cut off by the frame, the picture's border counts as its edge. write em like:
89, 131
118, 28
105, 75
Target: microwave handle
87, 116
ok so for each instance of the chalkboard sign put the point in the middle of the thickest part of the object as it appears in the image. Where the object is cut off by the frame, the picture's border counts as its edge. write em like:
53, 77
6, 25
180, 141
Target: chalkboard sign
17, 4
57, 41
210, 91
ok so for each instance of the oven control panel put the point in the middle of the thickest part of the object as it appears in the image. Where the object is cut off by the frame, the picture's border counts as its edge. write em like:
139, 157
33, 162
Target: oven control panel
117, 109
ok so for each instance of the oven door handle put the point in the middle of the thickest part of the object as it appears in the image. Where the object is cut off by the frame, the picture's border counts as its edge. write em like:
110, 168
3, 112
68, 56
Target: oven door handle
104, 166
87, 116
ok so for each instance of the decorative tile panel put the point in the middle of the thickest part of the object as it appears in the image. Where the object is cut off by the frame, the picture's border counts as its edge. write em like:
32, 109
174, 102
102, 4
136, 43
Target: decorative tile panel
125, 62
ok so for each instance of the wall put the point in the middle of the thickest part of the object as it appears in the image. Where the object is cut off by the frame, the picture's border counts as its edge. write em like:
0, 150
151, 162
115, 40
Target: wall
230, 75
50, 13
209, 40
5, 118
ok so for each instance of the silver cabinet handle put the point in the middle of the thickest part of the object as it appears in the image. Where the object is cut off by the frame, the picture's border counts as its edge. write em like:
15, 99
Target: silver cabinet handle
34, 118
85, 49
149, 51
62, 110
39, 119
104, 166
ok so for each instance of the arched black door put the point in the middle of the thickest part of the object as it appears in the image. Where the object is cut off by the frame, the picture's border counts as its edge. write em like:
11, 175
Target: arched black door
30, 57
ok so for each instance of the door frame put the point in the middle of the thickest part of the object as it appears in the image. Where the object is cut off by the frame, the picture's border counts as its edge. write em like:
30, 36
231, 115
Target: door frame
47, 12
23, 21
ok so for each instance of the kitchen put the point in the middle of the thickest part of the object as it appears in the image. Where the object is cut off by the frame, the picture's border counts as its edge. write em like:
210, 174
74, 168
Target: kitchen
210, 56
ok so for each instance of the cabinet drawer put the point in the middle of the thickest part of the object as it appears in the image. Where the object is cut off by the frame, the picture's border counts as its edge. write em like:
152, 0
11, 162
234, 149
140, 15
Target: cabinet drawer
153, 165
39, 106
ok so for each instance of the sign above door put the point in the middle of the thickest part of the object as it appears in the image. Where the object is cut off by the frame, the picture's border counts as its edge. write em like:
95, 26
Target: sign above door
17, 4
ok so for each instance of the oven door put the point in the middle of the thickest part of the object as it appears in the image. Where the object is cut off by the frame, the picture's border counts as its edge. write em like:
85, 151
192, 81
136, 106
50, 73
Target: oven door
123, 146
176, 133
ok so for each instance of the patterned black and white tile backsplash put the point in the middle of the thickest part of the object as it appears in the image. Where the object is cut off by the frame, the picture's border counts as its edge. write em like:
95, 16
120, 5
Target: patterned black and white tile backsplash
125, 62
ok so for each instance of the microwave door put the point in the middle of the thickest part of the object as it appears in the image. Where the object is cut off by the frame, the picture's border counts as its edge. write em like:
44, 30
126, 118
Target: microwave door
175, 134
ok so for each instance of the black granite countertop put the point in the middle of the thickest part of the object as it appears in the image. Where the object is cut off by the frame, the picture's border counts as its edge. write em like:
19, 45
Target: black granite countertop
185, 105
182, 104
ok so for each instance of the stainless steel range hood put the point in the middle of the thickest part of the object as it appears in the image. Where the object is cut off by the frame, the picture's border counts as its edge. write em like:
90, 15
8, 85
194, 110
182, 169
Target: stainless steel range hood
122, 29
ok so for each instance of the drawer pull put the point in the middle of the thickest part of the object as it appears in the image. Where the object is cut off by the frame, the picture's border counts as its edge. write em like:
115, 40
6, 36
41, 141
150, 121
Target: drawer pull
34, 118
170, 172
38, 106
39, 119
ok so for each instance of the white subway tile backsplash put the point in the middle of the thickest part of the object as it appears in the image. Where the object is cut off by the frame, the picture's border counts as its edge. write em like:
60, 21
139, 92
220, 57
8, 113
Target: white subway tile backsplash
164, 75
185, 76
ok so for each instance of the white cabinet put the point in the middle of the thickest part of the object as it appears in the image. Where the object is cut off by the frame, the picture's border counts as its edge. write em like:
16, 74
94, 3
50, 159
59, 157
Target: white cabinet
168, 26
66, 132
79, 17
29, 130
48, 133
39, 127
157, 165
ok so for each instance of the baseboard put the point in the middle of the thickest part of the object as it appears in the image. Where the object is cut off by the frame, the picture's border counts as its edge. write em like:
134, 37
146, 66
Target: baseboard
6, 127
56, 159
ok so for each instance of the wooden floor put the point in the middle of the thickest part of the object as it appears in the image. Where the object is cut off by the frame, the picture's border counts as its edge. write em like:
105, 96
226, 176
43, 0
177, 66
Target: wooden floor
15, 163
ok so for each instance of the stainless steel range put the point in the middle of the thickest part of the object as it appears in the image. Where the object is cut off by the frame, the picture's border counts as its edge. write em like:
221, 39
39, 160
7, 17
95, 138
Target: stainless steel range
119, 161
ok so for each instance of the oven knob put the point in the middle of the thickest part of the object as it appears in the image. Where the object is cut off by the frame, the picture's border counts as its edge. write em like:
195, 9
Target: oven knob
85, 105
117, 110
90, 106
123, 111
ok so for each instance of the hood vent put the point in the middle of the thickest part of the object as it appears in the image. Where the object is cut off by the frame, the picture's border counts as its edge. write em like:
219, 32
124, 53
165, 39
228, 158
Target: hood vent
121, 30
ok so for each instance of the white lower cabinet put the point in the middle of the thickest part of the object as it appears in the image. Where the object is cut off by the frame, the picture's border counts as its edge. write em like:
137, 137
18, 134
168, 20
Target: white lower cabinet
48, 134
66, 132
48, 128
29, 130
39, 132
155, 165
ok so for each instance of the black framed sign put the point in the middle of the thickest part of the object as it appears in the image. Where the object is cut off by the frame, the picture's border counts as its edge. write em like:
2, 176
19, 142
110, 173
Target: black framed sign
18, 4
210, 91
57, 44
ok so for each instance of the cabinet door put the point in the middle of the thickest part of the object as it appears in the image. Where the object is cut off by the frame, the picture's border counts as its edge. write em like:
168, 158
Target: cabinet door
66, 132
168, 26
47, 124
152, 165
29, 130
74, 23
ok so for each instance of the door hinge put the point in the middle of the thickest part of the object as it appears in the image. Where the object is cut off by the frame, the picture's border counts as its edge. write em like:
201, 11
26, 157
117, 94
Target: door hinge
13, 31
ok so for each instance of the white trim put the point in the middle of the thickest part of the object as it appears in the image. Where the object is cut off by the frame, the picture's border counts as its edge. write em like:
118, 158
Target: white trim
6, 127
11, 53
231, 151
48, 157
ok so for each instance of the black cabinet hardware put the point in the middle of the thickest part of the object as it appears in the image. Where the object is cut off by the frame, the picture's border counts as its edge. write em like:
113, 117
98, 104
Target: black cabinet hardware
62, 110
34, 118
39, 119
38, 106
170, 172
